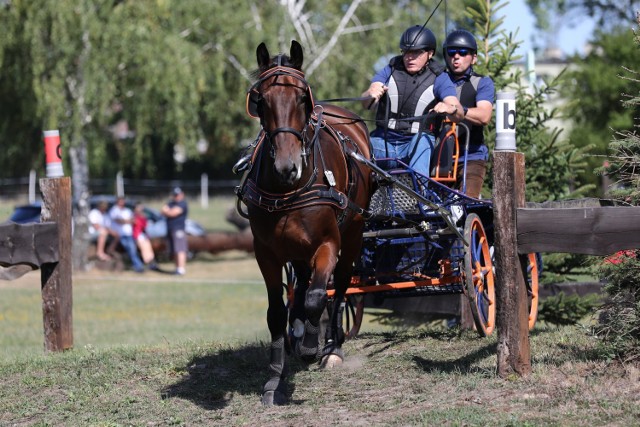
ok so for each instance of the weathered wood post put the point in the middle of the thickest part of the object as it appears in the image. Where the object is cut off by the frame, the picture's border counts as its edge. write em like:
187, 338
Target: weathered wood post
56, 284
514, 354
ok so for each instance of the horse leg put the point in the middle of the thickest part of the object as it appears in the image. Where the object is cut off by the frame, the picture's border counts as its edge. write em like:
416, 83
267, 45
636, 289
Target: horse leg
274, 391
332, 353
297, 314
315, 302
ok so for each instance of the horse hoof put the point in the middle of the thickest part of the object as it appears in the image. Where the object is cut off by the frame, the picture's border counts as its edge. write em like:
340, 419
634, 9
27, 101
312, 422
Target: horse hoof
330, 361
271, 398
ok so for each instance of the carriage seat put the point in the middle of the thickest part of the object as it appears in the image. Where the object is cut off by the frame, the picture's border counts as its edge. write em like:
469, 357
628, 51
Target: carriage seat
445, 154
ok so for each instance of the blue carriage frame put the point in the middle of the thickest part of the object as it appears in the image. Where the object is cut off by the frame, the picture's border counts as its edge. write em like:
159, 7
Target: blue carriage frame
427, 238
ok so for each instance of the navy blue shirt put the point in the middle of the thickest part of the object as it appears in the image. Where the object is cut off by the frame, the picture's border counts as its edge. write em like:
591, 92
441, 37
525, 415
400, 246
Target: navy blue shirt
178, 222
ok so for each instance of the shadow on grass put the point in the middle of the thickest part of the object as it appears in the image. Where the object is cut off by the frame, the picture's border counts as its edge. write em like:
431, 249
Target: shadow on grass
385, 341
464, 364
213, 379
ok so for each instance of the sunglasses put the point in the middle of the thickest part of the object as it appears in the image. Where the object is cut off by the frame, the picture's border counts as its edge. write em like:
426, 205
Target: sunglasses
451, 51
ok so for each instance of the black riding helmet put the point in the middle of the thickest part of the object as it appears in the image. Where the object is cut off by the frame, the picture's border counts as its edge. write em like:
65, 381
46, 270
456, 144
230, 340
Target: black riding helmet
459, 38
418, 37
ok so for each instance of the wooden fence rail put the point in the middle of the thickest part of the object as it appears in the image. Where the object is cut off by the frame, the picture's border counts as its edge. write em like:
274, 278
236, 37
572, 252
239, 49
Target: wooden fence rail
587, 230
579, 226
46, 246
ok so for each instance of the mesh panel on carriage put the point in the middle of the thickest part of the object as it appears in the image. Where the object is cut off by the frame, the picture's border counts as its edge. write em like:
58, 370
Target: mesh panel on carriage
388, 200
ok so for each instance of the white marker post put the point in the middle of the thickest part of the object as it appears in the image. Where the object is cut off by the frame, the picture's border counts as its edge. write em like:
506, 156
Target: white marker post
506, 121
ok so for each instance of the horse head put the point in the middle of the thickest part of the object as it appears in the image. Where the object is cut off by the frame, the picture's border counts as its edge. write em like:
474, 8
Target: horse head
282, 100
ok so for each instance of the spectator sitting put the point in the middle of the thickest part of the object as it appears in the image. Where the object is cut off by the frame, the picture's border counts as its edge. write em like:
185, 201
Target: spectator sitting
101, 223
141, 238
122, 222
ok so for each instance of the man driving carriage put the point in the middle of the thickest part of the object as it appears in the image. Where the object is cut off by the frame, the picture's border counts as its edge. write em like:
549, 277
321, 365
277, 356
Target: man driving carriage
407, 88
476, 94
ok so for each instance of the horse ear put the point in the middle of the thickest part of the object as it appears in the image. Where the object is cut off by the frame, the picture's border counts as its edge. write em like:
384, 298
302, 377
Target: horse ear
295, 54
262, 55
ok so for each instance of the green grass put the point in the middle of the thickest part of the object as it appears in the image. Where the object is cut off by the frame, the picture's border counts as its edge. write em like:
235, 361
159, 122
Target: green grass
108, 313
409, 377
158, 350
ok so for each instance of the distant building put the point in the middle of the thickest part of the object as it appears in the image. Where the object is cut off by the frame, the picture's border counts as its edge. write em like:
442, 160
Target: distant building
536, 71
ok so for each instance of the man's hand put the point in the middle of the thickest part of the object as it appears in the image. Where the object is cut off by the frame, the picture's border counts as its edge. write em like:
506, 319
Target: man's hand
375, 91
451, 107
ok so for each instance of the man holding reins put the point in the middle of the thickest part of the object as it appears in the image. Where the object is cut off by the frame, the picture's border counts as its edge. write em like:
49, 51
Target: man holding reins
409, 87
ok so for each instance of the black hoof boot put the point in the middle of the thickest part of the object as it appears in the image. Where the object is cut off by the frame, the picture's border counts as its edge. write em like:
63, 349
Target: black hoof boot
307, 348
274, 391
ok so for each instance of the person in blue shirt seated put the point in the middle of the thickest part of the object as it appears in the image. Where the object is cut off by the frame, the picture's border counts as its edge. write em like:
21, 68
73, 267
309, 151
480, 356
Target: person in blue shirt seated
477, 95
411, 85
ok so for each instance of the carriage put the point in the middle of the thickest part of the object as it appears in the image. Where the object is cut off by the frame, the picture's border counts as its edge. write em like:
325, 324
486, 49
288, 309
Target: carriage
340, 226
424, 237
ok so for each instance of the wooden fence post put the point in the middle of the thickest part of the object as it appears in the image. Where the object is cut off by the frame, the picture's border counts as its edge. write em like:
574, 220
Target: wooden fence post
57, 298
514, 354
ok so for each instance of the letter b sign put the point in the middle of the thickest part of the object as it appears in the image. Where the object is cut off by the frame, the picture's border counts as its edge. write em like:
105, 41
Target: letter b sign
506, 121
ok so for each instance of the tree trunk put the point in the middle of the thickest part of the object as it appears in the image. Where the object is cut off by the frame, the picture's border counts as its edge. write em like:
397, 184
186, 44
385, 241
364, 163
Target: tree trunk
80, 186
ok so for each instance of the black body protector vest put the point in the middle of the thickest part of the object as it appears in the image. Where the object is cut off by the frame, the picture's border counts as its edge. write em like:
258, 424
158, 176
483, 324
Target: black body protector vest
467, 96
407, 96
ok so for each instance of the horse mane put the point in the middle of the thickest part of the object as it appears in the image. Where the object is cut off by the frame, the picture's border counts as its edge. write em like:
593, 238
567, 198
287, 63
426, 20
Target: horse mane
280, 59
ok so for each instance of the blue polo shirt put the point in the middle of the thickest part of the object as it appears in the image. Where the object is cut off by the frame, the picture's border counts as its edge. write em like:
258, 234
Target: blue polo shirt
486, 92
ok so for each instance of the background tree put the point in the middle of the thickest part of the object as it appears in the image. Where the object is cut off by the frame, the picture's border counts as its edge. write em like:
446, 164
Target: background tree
552, 162
619, 325
608, 14
594, 94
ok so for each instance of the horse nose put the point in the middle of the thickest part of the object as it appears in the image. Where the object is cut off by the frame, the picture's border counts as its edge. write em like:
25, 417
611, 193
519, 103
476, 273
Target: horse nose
288, 172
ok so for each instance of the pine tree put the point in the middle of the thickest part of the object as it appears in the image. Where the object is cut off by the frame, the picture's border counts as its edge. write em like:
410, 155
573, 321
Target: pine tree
619, 325
552, 163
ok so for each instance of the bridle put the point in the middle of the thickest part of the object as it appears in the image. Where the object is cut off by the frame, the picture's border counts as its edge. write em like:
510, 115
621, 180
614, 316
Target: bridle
254, 99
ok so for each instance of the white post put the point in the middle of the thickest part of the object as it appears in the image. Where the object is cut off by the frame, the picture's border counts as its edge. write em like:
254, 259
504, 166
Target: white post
506, 121
119, 185
204, 190
32, 186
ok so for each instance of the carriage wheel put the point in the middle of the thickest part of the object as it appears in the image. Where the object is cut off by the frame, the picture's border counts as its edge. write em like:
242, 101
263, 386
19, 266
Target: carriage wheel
533, 271
478, 276
354, 311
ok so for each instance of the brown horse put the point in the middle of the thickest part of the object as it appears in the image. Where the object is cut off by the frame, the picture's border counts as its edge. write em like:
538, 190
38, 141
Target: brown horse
306, 200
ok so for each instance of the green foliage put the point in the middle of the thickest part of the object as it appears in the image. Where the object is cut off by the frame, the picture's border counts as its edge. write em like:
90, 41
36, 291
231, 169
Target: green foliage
175, 72
552, 163
564, 309
619, 326
594, 91
564, 267
550, 13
